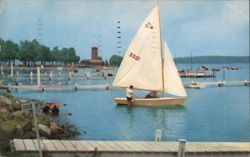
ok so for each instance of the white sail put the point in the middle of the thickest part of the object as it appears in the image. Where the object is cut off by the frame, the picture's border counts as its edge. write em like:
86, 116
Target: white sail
142, 63
172, 81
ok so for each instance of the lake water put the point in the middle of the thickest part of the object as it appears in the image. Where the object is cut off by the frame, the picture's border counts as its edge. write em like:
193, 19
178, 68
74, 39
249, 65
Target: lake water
209, 114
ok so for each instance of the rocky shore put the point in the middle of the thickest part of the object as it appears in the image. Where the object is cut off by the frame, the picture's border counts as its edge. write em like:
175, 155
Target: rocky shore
16, 123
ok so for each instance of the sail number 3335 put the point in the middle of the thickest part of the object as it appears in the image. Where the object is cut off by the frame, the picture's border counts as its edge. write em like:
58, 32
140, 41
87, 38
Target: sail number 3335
134, 56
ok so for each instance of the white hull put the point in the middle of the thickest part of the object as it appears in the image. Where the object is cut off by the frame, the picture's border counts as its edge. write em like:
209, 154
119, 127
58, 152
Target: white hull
152, 102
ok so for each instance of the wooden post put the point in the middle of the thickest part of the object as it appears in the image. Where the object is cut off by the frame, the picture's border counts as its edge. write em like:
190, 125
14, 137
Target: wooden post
1, 70
70, 75
11, 71
76, 87
37, 132
181, 151
224, 75
43, 88
158, 135
31, 76
107, 86
50, 75
105, 75
38, 77
88, 75
9, 88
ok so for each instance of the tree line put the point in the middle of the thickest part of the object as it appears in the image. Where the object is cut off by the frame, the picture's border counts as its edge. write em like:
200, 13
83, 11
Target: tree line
32, 53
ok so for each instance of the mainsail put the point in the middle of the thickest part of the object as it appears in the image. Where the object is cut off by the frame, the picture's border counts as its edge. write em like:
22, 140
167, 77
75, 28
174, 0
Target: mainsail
142, 63
172, 81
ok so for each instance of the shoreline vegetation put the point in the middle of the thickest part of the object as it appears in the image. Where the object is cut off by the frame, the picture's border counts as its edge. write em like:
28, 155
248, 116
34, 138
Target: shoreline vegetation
15, 123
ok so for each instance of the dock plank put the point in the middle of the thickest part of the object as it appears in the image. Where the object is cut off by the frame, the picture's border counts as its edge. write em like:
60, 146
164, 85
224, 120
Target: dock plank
59, 146
116, 147
139, 146
78, 145
29, 145
49, 145
125, 147
87, 145
19, 145
153, 147
42, 146
105, 146
69, 145
94, 144
168, 146
146, 146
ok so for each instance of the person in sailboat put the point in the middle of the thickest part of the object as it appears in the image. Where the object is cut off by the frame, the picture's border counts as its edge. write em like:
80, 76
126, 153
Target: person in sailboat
130, 95
152, 94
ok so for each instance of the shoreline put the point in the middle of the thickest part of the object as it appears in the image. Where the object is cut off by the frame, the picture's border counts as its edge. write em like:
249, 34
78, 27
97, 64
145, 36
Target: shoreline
17, 123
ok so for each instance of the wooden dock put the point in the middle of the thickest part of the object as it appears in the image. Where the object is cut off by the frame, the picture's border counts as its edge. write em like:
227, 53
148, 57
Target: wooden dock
108, 86
57, 86
218, 83
127, 148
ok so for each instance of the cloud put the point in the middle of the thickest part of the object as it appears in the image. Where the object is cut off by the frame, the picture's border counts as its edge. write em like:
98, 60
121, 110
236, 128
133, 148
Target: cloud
198, 24
222, 28
241, 8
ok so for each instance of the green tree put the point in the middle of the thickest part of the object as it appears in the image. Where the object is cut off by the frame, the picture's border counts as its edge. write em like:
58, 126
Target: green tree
11, 50
45, 54
25, 52
2, 51
115, 60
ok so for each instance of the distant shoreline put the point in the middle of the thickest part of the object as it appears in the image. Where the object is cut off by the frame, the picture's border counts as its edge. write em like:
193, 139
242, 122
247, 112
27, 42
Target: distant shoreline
213, 59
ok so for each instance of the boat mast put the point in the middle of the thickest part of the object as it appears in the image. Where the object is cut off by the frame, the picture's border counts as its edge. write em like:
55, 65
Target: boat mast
162, 60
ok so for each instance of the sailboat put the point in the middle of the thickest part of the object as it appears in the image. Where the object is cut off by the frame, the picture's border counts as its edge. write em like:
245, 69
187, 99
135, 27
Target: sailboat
143, 67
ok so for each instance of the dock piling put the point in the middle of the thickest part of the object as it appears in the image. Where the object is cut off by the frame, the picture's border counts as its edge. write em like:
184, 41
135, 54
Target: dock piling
107, 86
43, 89
76, 87
1, 70
38, 77
51, 75
158, 135
31, 76
11, 71
181, 150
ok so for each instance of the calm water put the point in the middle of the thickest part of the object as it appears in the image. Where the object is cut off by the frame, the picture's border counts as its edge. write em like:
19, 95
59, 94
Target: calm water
210, 114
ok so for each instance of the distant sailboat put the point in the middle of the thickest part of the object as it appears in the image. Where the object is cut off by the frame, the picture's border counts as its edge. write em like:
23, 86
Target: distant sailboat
143, 67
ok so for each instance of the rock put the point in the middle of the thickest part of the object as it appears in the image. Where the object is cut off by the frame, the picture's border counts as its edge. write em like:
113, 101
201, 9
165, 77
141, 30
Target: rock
44, 130
5, 100
23, 101
19, 113
27, 126
4, 110
55, 128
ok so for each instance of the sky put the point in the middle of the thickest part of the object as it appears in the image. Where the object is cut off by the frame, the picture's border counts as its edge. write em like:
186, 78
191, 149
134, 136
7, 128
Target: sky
203, 27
